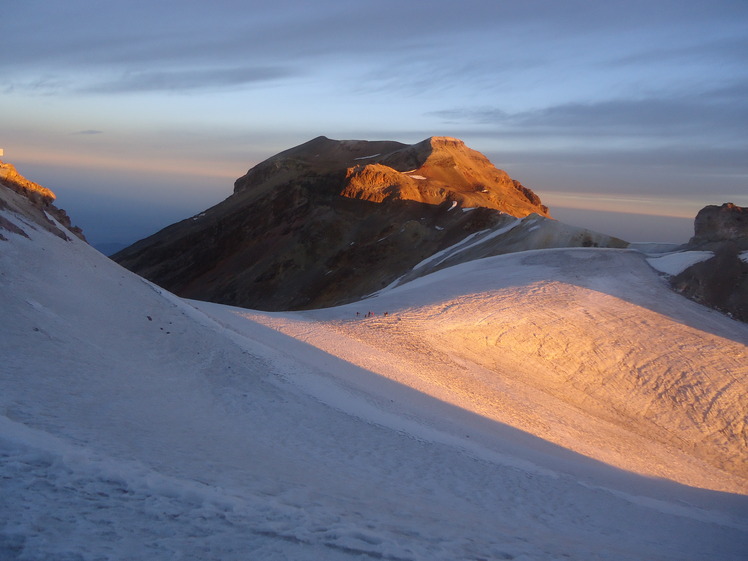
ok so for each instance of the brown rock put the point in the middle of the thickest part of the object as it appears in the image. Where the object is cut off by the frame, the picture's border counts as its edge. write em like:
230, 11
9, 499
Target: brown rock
330, 221
719, 223
33, 201
722, 281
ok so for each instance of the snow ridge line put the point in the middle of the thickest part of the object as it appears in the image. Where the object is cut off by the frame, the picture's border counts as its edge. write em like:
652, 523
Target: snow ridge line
471, 241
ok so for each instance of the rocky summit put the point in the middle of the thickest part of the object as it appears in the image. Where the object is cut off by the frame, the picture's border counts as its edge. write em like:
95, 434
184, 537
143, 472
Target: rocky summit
330, 221
727, 222
34, 203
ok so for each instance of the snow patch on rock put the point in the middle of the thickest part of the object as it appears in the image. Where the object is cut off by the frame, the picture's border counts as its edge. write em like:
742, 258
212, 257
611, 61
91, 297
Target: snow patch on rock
675, 263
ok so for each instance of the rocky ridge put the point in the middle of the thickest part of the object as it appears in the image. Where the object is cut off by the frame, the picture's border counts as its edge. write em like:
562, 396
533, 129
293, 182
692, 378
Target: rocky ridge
34, 203
434, 171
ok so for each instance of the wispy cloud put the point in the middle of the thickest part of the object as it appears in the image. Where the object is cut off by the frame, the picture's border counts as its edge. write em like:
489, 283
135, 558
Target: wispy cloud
88, 132
41, 86
720, 111
189, 80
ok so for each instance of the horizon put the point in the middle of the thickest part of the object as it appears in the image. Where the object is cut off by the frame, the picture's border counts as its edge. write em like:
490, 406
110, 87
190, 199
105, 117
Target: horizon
138, 218
624, 117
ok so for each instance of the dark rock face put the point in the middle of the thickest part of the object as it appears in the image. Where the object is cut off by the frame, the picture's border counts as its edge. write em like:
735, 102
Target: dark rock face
329, 222
722, 281
32, 201
720, 223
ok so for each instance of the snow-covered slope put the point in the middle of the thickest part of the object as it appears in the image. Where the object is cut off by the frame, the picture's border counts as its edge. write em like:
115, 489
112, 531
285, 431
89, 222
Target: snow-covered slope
585, 348
545, 405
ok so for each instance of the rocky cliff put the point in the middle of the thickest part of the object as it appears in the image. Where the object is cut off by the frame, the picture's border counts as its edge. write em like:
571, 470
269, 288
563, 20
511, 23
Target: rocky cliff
331, 221
728, 222
33, 202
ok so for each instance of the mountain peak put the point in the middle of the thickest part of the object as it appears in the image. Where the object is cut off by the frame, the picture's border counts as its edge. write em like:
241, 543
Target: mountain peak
32, 201
437, 170
445, 141
10, 177
331, 220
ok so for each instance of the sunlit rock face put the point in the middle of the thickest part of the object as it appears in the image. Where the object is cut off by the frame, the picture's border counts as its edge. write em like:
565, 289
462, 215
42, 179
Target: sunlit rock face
722, 281
441, 169
33, 202
331, 221
434, 171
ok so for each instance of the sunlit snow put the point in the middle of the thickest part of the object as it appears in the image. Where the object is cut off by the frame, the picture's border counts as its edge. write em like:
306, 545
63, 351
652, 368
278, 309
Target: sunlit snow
542, 405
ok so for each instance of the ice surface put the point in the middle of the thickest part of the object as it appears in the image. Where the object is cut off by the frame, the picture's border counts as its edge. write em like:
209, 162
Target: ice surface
478, 419
675, 263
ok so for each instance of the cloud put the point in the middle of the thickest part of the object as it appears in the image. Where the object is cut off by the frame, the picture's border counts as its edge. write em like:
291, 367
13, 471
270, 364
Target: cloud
685, 158
188, 80
88, 131
721, 112
727, 49
42, 86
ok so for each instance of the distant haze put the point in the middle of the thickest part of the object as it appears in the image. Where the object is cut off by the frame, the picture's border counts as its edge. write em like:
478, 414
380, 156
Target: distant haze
122, 207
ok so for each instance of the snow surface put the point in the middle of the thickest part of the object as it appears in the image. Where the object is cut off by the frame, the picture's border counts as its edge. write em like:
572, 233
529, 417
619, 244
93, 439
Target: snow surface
675, 263
470, 241
529, 406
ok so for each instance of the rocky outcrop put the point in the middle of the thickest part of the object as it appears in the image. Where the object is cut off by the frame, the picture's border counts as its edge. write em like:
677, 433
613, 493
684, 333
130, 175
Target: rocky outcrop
441, 169
714, 223
34, 202
722, 281
331, 221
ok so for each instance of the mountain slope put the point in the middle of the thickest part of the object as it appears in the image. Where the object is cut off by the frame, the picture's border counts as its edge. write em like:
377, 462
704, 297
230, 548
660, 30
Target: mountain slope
135, 425
330, 221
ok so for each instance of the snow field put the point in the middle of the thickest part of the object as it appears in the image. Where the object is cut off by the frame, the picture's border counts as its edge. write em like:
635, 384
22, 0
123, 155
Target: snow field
135, 425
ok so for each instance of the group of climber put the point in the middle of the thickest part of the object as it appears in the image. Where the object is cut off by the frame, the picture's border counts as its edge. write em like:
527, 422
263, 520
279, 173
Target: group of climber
370, 314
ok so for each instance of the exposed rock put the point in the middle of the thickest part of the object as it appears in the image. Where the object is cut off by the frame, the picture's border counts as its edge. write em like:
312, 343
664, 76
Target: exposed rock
330, 221
34, 202
714, 223
433, 171
722, 281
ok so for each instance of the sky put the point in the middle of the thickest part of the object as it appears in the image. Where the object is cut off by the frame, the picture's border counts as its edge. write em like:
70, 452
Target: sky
626, 117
